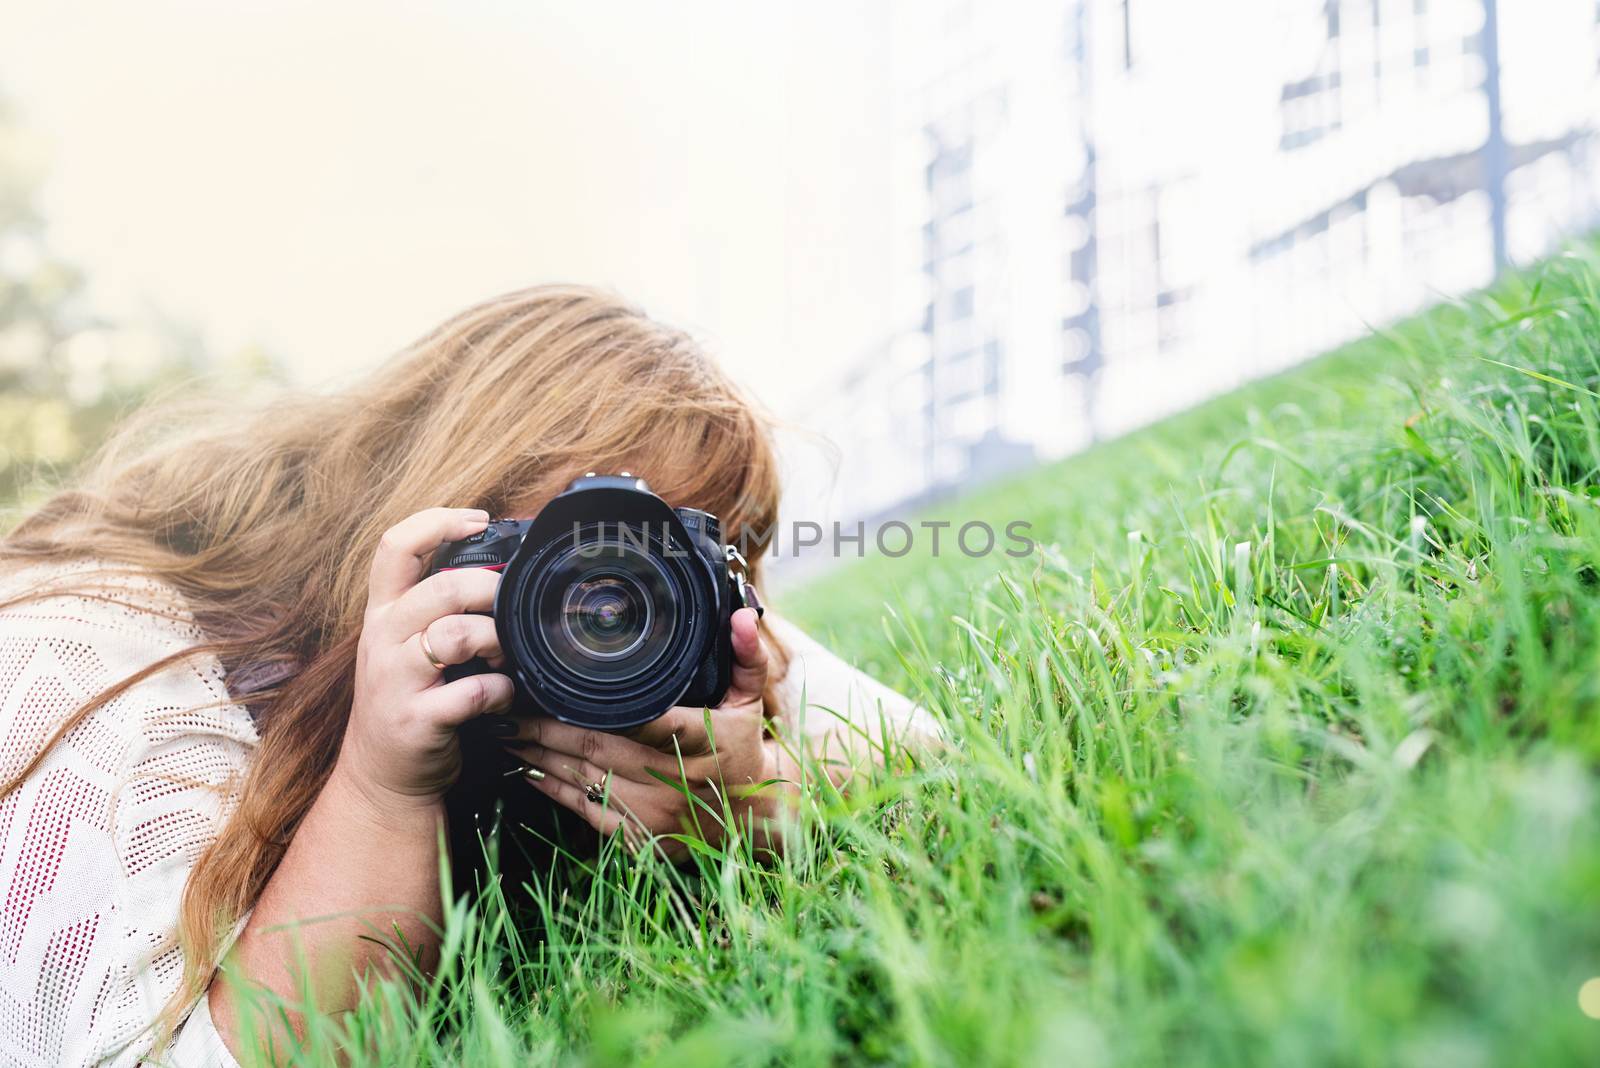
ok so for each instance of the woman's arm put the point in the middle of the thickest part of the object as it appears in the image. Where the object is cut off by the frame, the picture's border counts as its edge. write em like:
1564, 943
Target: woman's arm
362, 869
360, 875
843, 718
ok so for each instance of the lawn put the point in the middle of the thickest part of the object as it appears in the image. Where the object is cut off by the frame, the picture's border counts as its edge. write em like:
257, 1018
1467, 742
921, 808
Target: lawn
1283, 749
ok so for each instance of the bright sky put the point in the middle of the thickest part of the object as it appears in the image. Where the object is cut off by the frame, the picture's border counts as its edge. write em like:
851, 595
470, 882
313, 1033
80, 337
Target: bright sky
331, 179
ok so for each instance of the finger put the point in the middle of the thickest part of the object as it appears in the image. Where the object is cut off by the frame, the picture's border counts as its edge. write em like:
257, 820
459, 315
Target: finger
540, 739
402, 552
678, 730
623, 804
453, 640
451, 704
653, 807
449, 593
582, 772
615, 811
608, 751
601, 817
749, 659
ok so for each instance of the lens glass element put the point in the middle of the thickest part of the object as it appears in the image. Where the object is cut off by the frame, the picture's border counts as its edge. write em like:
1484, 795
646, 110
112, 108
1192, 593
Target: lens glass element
605, 614
607, 609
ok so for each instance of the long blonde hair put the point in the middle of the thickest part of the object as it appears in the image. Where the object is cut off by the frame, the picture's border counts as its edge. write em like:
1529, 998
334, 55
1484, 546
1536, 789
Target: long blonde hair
266, 523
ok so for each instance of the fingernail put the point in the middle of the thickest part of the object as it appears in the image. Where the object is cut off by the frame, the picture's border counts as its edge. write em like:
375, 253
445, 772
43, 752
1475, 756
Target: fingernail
477, 514
533, 775
501, 726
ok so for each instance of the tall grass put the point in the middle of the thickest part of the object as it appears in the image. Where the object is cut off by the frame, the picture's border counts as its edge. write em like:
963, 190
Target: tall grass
1283, 749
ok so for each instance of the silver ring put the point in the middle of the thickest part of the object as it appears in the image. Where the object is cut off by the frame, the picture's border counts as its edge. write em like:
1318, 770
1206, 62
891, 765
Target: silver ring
595, 792
427, 651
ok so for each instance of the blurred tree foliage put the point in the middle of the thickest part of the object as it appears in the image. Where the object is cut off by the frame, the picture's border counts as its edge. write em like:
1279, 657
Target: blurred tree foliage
67, 373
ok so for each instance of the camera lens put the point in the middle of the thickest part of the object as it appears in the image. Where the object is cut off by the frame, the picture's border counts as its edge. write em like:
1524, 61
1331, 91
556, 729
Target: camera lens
607, 615
607, 610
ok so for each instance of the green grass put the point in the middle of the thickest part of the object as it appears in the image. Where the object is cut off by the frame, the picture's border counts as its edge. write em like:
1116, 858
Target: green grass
1282, 750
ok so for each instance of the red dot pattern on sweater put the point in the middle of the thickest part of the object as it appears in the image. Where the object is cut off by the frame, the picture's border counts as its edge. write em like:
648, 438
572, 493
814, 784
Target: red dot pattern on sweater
62, 800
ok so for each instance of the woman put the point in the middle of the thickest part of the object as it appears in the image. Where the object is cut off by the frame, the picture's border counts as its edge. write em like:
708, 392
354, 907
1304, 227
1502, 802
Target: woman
221, 699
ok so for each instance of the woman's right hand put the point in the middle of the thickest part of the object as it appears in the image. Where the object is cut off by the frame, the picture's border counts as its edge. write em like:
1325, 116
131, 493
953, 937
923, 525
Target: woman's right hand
400, 742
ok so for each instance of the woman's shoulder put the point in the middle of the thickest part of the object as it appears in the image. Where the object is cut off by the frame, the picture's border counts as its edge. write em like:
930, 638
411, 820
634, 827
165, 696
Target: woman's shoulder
96, 598
80, 628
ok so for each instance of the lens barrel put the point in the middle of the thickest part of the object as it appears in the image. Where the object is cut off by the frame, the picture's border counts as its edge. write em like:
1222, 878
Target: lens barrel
608, 612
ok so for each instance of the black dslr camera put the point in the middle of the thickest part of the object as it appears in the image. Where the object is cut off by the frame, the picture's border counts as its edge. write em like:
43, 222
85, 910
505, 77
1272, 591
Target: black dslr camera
613, 607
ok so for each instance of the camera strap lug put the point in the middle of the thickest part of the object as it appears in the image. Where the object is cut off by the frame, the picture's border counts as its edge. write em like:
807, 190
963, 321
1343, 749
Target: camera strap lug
739, 572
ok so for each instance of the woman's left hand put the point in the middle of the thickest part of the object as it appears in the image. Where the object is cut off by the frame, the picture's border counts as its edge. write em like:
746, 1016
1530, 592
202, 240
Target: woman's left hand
671, 775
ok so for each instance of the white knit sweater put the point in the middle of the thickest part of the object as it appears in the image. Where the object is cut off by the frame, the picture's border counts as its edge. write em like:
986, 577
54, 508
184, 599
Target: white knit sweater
97, 843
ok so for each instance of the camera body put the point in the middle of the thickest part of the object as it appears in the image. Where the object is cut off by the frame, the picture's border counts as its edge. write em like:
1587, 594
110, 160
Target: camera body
613, 606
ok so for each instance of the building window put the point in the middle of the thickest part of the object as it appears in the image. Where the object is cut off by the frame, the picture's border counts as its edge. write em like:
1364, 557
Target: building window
961, 377
1127, 34
1308, 110
1147, 261
962, 302
949, 163
1172, 315
1077, 343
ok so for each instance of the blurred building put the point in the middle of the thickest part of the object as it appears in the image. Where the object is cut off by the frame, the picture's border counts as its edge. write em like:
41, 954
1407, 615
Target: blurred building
1112, 209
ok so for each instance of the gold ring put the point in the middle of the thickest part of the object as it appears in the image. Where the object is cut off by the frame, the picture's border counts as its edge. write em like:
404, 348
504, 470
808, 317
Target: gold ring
427, 651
